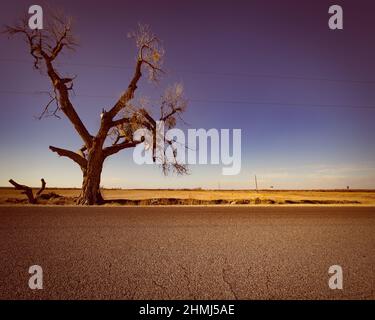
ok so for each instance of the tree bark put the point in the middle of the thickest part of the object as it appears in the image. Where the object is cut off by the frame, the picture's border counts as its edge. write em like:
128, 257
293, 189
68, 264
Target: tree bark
90, 193
29, 191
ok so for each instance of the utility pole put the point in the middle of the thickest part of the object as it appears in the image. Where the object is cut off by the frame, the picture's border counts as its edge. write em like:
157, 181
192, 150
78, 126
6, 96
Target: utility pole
256, 183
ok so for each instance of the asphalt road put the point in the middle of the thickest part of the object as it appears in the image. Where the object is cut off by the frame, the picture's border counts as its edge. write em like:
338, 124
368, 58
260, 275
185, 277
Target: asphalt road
187, 252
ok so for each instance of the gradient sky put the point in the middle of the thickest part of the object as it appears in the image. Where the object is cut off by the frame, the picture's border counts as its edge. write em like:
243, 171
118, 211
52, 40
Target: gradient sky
271, 68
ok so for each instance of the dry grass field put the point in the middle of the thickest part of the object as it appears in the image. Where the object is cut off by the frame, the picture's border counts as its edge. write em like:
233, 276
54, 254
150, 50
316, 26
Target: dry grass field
55, 196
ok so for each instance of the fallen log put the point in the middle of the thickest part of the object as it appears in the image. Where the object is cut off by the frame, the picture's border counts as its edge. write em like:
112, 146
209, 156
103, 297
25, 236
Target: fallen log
29, 191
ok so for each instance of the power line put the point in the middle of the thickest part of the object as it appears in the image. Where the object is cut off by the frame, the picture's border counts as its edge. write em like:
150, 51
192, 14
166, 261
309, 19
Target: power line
270, 76
286, 104
210, 73
243, 102
17, 92
88, 65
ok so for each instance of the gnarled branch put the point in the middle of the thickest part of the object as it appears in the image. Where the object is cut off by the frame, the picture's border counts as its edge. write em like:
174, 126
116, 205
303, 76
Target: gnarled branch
42, 187
150, 55
128, 94
120, 122
46, 45
118, 147
28, 191
82, 162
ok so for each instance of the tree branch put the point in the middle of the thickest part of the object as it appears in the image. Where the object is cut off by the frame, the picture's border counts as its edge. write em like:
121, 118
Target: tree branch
65, 103
148, 117
41, 188
171, 114
82, 162
120, 122
46, 45
118, 147
28, 191
129, 93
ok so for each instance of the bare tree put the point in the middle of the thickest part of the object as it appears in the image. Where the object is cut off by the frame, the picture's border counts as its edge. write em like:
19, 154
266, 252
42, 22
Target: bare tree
118, 123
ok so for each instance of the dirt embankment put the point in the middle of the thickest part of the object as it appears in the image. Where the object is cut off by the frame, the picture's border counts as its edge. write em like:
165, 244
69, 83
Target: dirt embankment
120, 197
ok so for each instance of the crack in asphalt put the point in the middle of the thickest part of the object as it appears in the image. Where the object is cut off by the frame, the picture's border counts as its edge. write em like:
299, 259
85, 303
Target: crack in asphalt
163, 288
132, 296
186, 276
229, 284
184, 269
98, 261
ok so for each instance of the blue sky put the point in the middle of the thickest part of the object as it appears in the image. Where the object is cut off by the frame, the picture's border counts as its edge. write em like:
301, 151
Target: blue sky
273, 69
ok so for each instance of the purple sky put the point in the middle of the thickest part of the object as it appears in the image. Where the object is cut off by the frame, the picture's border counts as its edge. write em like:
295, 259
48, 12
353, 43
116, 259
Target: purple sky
271, 68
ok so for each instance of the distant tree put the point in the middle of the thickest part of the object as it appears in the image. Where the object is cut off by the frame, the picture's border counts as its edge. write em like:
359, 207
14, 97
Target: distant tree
118, 124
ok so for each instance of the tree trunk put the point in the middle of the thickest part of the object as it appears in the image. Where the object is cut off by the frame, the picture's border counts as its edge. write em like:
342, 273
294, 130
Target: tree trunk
90, 193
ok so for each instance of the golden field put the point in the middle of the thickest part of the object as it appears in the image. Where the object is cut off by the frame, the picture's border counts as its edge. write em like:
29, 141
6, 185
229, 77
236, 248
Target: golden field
203, 197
